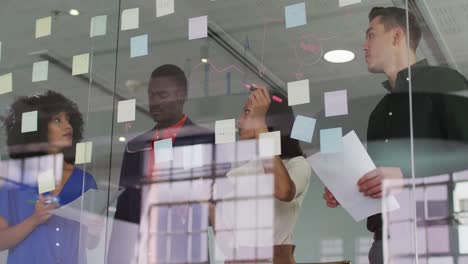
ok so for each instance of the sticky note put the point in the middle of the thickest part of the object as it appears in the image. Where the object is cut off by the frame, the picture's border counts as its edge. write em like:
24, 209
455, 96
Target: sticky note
139, 46
46, 181
164, 7
269, 144
6, 83
198, 27
163, 151
0, 51
130, 19
29, 122
295, 15
126, 110
298, 92
80, 64
43, 27
331, 140
84, 152
303, 128
343, 3
336, 103
40, 71
98, 26
225, 131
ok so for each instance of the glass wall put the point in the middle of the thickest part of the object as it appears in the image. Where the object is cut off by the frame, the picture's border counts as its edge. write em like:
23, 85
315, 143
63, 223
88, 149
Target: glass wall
216, 131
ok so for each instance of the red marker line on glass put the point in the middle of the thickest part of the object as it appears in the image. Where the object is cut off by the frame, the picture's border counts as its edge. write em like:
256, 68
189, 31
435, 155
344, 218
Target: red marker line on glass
274, 97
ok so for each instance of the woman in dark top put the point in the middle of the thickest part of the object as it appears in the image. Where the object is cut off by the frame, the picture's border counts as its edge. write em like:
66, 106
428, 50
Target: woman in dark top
27, 230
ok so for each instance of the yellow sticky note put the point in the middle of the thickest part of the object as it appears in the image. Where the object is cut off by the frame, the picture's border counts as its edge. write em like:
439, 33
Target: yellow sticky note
298, 92
43, 27
80, 64
46, 181
84, 152
130, 18
6, 83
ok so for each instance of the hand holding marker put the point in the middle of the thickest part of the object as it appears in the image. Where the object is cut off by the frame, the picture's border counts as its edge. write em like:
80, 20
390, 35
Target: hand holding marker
251, 87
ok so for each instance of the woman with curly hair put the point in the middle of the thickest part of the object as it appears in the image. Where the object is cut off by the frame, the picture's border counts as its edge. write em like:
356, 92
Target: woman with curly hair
27, 229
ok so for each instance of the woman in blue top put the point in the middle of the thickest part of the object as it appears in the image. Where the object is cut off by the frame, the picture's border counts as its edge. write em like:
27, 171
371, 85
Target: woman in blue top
27, 229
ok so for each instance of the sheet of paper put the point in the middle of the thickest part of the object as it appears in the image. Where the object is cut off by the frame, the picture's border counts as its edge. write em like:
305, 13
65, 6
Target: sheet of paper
163, 151
40, 71
6, 83
303, 128
88, 207
340, 173
126, 110
198, 27
84, 152
343, 3
269, 144
46, 181
29, 122
80, 64
225, 131
164, 7
98, 26
139, 46
43, 27
331, 140
130, 19
295, 15
336, 103
298, 92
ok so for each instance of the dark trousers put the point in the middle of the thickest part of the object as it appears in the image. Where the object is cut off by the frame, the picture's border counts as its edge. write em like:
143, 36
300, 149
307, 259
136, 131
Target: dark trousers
376, 252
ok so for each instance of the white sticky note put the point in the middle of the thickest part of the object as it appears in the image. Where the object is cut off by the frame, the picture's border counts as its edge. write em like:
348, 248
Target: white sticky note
269, 144
46, 181
29, 122
6, 83
336, 103
198, 27
43, 27
130, 19
40, 71
298, 92
164, 7
343, 3
139, 46
163, 151
80, 64
98, 26
225, 131
126, 111
84, 152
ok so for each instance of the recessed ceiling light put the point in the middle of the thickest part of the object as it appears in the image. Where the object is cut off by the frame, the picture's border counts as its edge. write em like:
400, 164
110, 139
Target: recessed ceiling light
204, 60
339, 56
122, 139
74, 12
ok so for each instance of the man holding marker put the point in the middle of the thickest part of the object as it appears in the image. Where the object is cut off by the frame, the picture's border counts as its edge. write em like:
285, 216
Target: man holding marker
167, 93
439, 129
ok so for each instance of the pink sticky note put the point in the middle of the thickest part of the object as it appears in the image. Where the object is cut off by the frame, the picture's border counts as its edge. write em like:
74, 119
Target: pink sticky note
198, 27
336, 103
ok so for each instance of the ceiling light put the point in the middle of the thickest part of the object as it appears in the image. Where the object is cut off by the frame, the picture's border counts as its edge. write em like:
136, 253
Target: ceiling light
122, 139
204, 60
74, 12
339, 56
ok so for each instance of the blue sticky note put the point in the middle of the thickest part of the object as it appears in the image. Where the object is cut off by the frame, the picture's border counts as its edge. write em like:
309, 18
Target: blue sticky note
163, 150
303, 128
331, 140
295, 15
139, 46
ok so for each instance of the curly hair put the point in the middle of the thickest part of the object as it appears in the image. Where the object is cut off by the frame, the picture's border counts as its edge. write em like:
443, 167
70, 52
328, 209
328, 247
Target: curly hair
48, 104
